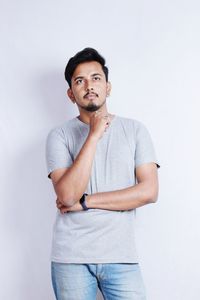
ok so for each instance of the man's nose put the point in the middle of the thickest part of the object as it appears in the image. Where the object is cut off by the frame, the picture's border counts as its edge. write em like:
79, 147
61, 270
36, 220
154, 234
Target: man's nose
88, 86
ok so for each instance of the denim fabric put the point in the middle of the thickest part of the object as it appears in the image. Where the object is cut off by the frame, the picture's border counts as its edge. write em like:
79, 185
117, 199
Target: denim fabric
118, 281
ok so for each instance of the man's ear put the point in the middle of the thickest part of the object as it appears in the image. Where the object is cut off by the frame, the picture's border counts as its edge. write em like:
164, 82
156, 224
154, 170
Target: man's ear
108, 88
71, 95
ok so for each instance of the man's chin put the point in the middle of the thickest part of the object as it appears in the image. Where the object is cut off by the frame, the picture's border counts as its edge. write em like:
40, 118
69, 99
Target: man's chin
92, 108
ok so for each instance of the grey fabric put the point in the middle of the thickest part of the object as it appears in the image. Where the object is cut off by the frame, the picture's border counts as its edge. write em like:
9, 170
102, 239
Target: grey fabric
97, 235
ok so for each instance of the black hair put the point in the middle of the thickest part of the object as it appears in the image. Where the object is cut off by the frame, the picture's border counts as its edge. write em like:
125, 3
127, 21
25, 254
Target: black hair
87, 54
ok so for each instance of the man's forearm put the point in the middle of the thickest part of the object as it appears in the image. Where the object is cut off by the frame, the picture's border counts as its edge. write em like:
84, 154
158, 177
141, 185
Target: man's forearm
125, 199
73, 183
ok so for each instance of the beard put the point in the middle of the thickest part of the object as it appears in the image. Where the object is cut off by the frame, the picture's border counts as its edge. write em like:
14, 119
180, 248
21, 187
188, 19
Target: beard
92, 106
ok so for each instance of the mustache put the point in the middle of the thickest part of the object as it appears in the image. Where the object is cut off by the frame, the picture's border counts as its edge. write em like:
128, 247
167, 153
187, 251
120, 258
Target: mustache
91, 93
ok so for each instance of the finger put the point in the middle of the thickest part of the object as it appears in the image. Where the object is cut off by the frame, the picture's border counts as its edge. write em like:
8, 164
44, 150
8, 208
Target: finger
108, 122
97, 112
58, 202
63, 210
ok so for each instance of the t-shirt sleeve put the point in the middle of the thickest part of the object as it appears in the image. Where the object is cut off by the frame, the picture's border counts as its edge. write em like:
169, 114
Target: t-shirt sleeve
144, 152
57, 151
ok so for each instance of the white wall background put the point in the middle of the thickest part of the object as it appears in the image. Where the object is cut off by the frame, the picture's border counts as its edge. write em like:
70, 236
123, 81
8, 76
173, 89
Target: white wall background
152, 49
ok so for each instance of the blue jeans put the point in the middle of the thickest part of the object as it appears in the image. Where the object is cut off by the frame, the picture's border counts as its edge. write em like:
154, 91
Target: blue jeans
116, 281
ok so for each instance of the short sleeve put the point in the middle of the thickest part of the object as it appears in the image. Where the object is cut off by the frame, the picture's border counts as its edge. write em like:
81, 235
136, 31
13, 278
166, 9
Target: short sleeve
57, 151
144, 151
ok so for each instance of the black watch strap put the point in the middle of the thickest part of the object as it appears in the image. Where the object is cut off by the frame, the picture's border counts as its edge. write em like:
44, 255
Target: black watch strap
82, 202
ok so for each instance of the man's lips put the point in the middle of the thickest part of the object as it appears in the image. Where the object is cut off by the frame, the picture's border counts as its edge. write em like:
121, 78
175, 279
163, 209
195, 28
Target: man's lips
90, 96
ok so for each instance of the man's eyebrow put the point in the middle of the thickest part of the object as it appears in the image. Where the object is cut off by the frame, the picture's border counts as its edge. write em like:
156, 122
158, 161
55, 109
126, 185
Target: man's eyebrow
81, 77
78, 77
95, 74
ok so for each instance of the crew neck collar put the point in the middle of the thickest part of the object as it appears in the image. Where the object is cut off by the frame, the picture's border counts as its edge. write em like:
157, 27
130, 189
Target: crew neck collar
87, 125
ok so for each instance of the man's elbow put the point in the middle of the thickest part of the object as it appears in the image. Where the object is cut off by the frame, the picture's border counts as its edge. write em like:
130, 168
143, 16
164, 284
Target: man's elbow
152, 197
66, 199
68, 203
153, 200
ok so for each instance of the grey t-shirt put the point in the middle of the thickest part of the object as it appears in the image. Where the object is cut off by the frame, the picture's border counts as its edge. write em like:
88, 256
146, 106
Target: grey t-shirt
97, 235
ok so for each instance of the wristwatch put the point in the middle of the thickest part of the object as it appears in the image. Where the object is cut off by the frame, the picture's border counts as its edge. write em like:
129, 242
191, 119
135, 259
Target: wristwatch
82, 202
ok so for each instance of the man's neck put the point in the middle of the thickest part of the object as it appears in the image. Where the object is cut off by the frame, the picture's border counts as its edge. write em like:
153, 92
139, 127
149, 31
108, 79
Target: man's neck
85, 116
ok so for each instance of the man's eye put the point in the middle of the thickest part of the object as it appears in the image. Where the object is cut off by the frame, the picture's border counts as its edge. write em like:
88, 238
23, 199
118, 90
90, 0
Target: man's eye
79, 81
96, 78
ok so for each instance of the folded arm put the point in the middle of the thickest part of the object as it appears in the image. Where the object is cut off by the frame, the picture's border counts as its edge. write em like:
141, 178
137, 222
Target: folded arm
70, 183
144, 192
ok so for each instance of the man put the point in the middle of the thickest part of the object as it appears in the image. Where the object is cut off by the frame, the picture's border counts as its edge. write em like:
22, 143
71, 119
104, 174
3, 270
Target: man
102, 167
